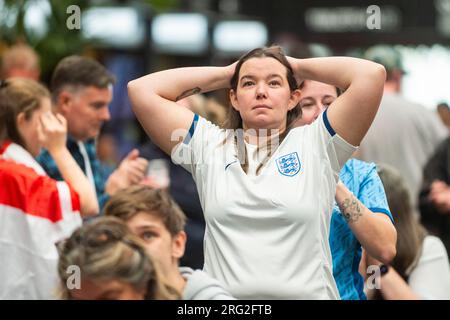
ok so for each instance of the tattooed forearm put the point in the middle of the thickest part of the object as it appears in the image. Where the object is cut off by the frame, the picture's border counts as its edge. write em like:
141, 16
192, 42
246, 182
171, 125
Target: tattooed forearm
188, 93
351, 209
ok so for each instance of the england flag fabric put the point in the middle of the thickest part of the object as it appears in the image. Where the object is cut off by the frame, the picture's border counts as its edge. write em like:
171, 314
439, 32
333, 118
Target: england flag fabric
35, 213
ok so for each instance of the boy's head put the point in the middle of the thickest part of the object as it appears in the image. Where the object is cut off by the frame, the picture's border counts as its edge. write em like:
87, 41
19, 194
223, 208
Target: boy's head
154, 216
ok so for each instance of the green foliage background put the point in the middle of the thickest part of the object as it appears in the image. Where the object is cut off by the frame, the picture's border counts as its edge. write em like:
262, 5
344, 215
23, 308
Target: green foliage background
59, 40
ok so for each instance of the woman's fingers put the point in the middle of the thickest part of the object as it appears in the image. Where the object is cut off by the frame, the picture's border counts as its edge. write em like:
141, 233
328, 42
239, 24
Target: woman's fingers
135, 175
45, 122
61, 119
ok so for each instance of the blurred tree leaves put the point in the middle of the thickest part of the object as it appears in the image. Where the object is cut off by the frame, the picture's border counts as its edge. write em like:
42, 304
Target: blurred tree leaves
56, 43
163, 5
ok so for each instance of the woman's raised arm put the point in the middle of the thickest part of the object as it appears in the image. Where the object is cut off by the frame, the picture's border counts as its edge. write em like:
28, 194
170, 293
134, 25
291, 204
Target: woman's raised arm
352, 113
154, 97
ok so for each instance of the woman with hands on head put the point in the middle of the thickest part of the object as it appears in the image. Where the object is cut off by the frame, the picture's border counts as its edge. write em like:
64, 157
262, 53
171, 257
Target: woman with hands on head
36, 211
266, 188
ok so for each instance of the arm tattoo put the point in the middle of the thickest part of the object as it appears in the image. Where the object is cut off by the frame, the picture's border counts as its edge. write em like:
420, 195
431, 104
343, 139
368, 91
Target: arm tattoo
188, 93
351, 210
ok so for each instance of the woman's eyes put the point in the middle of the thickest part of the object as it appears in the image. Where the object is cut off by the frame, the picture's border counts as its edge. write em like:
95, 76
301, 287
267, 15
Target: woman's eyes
306, 104
327, 103
148, 235
274, 83
310, 104
251, 83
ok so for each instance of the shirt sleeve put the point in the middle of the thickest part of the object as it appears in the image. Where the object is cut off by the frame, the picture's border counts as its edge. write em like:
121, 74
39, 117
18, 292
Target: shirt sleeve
372, 193
430, 279
336, 149
197, 146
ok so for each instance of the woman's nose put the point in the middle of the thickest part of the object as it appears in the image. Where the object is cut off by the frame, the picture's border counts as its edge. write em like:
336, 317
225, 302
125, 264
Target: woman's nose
318, 110
261, 91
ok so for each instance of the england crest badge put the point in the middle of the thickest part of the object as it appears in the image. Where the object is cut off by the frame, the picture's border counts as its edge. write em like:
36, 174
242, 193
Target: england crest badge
289, 164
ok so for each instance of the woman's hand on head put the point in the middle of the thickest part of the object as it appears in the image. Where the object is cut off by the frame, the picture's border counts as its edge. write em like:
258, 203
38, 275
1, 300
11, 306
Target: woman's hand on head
231, 69
292, 61
294, 65
54, 131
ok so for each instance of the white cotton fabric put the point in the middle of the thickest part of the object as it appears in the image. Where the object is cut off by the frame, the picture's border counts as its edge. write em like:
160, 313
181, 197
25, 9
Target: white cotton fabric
267, 236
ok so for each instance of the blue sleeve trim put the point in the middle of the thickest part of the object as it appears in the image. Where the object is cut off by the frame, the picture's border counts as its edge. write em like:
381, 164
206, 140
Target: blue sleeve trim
327, 124
381, 210
191, 129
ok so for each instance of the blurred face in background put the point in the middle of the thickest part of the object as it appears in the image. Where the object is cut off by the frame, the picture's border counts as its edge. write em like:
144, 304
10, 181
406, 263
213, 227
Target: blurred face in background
86, 109
21, 61
316, 97
158, 242
106, 289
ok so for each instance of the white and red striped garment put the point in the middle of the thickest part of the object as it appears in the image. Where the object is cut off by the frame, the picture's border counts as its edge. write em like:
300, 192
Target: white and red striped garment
35, 212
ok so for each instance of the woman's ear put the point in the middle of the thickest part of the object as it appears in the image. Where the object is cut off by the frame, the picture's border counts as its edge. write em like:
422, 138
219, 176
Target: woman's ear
20, 119
233, 99
294, 99
21, 124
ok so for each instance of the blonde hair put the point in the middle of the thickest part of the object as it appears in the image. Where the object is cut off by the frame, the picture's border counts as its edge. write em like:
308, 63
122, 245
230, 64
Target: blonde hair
18, 95
106, 249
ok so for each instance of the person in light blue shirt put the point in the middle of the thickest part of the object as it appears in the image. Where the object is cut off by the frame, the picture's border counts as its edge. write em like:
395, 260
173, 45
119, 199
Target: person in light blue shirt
361, 216
362, 180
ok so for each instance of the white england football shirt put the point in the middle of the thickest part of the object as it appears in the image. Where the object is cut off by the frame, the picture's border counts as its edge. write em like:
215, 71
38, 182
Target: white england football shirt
267, 236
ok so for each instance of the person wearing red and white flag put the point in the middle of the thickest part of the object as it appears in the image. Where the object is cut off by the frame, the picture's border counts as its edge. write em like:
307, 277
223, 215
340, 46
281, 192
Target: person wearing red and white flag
35, 211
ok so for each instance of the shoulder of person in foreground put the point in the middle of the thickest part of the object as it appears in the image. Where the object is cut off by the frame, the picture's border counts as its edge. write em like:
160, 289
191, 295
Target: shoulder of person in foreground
201, 286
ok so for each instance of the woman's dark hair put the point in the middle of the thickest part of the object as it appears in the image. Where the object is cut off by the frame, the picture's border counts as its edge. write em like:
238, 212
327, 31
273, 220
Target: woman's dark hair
234, 120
